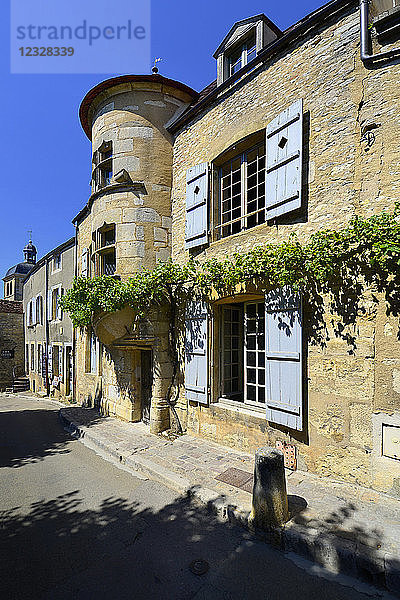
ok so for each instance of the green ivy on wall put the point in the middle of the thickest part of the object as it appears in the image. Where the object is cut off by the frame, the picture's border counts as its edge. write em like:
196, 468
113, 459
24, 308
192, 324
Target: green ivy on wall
335, 262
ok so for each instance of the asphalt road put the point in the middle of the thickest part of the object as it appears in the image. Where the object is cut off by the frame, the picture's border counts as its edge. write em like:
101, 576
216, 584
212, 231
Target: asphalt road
76, 526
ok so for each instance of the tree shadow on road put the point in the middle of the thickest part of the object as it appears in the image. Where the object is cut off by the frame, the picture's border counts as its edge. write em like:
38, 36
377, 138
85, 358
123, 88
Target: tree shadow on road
121, 549
29, 436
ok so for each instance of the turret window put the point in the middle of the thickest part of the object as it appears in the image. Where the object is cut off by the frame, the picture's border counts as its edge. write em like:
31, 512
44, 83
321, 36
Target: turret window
102, 166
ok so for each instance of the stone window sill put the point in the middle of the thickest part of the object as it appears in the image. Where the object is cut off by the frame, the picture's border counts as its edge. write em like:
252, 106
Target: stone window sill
246, 409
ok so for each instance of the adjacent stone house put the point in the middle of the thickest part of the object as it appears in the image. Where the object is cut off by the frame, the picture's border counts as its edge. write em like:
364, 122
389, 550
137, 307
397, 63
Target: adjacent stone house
298, 133
48, 329
11, 342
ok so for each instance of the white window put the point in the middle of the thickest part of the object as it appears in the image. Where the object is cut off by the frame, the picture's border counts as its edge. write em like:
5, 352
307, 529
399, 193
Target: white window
242, 55
243, 353
39, 310
55, 310
57, 262
242, 192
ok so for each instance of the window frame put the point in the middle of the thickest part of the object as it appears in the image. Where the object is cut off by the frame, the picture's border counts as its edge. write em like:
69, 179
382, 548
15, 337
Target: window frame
56, 264
242, 52
243, 403
259, 214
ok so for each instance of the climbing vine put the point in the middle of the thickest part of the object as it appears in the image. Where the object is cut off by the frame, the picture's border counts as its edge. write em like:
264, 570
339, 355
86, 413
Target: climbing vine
331, 261
334, 263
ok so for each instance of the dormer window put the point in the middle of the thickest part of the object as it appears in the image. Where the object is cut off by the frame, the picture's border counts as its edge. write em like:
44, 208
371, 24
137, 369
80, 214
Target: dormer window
242, 44
243, 55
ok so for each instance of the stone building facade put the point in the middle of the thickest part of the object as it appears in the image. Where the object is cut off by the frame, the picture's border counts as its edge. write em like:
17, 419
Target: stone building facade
296, 135
48, 329
122, 364
11, 342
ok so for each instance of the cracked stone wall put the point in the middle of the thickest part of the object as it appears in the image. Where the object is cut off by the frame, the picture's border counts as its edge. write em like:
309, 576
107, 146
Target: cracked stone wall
352, 167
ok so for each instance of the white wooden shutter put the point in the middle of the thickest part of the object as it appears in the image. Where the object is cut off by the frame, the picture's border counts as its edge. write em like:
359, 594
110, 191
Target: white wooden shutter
59, 309
283, 347
50, 305
84, 264
196, 352
197, 190
283, 173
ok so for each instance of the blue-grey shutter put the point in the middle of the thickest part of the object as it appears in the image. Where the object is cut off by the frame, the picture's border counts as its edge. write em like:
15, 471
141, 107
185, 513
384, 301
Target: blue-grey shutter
197, 189
196, 352
283, 173
283, 347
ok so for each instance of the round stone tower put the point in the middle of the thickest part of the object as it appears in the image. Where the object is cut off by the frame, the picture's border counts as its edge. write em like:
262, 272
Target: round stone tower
126, 226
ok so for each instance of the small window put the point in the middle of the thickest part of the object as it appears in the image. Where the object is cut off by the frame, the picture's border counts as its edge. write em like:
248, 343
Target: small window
56, 311
108, 265
39, 310
242, 55
57, 262
102, 166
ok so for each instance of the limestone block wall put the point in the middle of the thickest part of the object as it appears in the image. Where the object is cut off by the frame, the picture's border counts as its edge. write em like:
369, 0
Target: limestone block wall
347, 172
11, 341
132, 116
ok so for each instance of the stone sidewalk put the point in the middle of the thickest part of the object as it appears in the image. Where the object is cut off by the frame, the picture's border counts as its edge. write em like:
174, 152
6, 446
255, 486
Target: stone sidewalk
343, 527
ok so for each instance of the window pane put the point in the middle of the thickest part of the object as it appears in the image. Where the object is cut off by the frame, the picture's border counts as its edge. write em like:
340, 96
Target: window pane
251, 359
261, 394
251, 393
251, 375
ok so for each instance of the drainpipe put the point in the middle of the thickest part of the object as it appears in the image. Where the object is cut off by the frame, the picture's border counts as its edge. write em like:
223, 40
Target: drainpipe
74, 397
46, 329
365, 46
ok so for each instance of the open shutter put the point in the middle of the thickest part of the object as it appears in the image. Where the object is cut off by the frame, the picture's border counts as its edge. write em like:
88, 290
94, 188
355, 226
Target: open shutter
283, 173
197, 184
50, 305
283, 343
196, 355
59, 309
34, 320
85, 265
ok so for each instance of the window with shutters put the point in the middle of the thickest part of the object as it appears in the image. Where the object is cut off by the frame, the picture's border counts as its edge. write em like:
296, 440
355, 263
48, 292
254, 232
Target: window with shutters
260, 349
55, 310
242, 340
257, 179
39, 310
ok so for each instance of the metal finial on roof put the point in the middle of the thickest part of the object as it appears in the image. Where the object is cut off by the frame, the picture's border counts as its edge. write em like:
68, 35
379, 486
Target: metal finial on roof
30, 234
155, 68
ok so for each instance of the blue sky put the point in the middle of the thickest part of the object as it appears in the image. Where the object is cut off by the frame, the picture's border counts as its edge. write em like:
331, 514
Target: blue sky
45, 154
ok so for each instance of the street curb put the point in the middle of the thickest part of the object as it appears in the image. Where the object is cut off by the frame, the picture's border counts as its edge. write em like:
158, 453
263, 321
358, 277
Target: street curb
337, 555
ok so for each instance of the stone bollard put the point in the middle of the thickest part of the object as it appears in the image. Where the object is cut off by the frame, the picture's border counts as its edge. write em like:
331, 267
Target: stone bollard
270, 504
